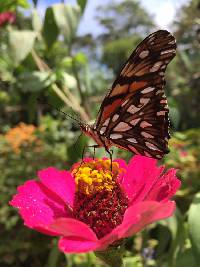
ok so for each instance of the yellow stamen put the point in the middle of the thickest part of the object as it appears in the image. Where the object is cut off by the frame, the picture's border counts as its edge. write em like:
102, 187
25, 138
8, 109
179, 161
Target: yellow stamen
95, 176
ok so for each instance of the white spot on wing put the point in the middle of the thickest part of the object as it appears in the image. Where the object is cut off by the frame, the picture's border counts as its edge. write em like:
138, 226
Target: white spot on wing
163, 101
144, 124
147, 90
115, 136
115, 117
132, 140
133, 109
135, 121
144, 101
151, 146
125, 102
163, 67
122, 127
159, 91
168, 51
147, 135
106, 122
103, 129
161, 113
144, 54
156, 66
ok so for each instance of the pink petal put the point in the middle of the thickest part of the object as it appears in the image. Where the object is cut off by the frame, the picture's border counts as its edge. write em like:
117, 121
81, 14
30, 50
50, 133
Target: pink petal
60, 182
141, 175
165, 187
69, 227
122, 163
138, 216
38, 206
72, 245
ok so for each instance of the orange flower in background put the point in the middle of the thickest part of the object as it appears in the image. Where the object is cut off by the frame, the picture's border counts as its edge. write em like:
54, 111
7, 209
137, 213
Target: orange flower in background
22, 134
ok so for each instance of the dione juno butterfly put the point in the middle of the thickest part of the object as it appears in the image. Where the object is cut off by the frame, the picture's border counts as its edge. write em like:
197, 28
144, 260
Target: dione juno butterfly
134, 113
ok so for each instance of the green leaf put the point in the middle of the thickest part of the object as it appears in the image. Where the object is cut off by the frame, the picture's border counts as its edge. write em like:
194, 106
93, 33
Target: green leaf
12, 5
193, 224
174, 116
186, 259
69, 80
36, 21
66, 18
50, 29
35, 81
20, 44
80, 58
82, 4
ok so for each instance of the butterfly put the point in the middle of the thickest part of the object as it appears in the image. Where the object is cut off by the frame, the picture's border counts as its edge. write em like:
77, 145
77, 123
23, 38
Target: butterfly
134, 113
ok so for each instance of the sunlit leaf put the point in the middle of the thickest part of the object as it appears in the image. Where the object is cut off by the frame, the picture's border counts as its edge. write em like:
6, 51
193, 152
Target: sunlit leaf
80, 58
36, 21
69, 80
35, 81
66, 18
12, 5
20, 44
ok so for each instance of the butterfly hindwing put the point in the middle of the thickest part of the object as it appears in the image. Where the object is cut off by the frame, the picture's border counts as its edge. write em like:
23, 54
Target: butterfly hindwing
134, 113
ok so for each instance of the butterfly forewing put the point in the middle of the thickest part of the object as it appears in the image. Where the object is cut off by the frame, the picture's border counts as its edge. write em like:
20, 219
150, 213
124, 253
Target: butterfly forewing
134, 113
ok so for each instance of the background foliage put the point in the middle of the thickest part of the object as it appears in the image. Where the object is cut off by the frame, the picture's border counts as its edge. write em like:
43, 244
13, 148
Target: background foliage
45, 57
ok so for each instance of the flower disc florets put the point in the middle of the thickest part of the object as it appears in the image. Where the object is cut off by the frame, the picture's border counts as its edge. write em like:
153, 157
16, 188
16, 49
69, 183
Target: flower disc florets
99, 200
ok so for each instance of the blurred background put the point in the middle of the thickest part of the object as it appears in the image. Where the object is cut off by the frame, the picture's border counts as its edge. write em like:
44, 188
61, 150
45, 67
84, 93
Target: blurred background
68, 53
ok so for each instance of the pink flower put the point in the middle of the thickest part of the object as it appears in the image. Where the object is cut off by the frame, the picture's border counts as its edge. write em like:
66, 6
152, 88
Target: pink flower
7, 17
92, 207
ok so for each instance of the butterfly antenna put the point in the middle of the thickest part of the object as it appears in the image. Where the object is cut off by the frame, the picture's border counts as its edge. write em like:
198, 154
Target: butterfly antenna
66, 115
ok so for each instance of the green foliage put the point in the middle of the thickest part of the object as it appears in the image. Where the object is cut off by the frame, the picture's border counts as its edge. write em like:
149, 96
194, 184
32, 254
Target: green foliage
20, 44
49, 23
13, 4
116, 52
185, 72
46, 58
82, 4
193, 224
125, 18
125, 23
61, 19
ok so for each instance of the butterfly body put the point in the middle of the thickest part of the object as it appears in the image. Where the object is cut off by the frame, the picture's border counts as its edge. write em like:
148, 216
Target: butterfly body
100, 139
134, 113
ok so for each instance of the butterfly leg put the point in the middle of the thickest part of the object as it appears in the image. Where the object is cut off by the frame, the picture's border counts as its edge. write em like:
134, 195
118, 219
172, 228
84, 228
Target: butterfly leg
94, 147
110, 152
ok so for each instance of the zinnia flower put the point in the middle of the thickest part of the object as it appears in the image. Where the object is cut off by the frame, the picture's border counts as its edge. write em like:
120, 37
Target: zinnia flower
92, 207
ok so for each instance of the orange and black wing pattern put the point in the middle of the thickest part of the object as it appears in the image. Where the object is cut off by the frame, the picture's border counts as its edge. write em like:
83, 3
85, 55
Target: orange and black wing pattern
134, 113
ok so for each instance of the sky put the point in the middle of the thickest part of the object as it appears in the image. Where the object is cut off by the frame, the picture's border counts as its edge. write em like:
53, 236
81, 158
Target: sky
163, 12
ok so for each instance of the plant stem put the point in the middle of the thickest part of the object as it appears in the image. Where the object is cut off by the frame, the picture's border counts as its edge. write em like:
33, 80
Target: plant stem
66, 97
112, 256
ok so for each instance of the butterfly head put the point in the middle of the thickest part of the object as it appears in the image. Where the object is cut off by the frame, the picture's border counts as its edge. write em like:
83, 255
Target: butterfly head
86, 128
92, 133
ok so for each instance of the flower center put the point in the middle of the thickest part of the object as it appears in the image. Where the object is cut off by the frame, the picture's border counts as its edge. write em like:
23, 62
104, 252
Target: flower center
99, 201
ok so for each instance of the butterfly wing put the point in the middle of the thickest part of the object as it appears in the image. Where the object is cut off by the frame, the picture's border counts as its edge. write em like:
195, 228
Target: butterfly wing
134, 113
